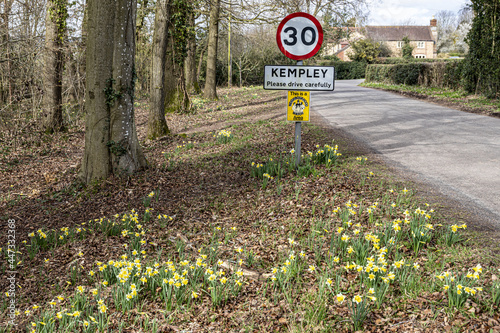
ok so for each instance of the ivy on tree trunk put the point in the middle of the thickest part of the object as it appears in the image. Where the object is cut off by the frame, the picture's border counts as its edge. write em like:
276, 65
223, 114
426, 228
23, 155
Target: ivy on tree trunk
55, 29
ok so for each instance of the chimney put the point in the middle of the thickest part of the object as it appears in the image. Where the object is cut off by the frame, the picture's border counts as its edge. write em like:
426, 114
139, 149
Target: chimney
435, 36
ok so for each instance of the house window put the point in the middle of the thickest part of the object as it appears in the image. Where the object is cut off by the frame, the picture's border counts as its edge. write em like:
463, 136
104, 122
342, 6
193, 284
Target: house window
400, 44
420, 45
420, 56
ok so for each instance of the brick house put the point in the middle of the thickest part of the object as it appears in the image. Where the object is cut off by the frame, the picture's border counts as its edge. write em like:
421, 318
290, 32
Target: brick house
423, 38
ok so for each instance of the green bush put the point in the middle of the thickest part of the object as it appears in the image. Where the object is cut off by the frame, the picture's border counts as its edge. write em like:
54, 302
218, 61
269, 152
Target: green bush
346, 70
365, 50
436, 74
408, 74
481, 70
392, 61
442, 74
453, 76
378, 73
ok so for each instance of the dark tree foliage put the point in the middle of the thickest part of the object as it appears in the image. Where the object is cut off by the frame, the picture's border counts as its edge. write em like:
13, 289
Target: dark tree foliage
482, 64
407, 49
365, 50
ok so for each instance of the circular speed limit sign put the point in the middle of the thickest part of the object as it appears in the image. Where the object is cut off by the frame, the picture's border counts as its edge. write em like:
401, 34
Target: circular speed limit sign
299, 36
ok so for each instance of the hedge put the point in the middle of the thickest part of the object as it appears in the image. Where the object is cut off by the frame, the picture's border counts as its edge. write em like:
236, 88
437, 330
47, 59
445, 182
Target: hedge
392, 61
395, 74
346, 70
435, 74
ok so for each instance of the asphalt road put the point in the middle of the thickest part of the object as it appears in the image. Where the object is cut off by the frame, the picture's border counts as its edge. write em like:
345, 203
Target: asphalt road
456, 152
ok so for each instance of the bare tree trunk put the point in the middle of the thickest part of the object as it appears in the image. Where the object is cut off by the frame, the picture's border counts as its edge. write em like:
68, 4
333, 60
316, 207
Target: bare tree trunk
111, 143
128, 156
229, 55
157, 125
239, 71
190, 62
210, 91
7, 6
100, 22
141, 17
200, 63
176, 96
171, 97
55, 28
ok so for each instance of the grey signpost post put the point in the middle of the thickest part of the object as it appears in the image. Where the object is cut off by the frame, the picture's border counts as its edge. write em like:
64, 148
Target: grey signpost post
298, 132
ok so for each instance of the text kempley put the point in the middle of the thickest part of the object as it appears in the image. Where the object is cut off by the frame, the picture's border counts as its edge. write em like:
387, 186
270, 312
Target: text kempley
299, 72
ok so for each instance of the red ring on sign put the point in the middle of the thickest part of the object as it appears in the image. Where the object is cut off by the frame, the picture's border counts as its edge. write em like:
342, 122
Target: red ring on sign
320, 36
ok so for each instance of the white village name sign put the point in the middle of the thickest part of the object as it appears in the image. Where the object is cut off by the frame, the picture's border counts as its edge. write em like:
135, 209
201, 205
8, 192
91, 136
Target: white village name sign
315, 78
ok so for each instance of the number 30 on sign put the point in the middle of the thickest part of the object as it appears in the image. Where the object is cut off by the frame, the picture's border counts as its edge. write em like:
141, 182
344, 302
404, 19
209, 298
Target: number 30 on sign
299, 36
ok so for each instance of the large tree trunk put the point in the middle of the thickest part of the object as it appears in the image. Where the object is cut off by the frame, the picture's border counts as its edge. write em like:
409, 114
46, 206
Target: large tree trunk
157, 125
128, 157
190, 62
141, 18
5, 36
55, 29
111, 144
229, 55
200, 63
210, 91
100, 23
176, 97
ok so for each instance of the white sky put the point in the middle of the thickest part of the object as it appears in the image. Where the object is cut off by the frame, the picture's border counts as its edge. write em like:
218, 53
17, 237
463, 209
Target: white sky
419, 12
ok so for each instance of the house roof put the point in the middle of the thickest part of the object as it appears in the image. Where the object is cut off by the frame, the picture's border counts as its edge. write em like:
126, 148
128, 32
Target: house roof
396, 33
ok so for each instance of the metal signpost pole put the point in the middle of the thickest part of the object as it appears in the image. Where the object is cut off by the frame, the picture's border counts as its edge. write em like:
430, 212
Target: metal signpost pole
298, 131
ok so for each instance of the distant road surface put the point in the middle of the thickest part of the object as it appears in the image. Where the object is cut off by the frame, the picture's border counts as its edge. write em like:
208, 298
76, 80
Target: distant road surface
455, 151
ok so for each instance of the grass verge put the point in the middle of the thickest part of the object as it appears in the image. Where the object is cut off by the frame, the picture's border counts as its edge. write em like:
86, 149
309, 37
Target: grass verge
452, 98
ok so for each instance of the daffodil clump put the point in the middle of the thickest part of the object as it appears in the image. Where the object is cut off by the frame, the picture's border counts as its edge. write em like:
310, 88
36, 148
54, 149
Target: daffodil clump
82, 313
147, 199
118, 224
45, 239
460, 287
187, 145
198, 102
266, 178
174, 283
327, 155
224, 136
369, 249
495, 292
282, 276
271, 168
366, 253
452, 234
362, 159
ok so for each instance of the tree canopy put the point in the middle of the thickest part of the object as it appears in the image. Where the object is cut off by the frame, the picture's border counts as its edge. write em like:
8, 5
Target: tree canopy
482, 64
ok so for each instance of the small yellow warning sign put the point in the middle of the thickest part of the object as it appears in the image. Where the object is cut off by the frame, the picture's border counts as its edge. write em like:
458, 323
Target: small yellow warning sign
298, 105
